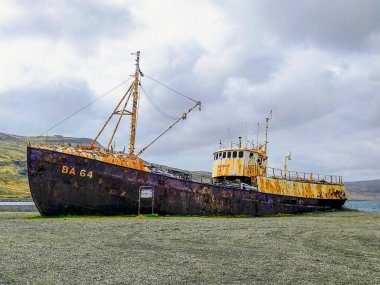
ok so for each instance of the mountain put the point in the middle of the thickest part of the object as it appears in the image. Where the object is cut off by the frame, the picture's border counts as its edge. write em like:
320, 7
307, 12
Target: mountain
14, 180
363, 190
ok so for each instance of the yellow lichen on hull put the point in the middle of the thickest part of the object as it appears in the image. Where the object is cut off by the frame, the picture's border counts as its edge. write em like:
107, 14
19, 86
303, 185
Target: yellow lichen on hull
129, 161
301, 189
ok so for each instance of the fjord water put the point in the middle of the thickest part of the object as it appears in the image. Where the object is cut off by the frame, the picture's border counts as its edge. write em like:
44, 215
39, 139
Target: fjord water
17, 206
366, 206
16, 203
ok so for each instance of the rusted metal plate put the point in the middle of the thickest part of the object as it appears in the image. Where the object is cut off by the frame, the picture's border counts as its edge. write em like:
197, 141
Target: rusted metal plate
301, 189
228, 167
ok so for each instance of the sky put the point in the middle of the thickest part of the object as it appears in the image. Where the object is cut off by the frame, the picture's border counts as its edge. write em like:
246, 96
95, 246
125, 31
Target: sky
315, 64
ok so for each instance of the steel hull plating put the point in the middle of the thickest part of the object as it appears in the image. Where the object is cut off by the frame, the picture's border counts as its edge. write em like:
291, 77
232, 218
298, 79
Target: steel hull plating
67, 184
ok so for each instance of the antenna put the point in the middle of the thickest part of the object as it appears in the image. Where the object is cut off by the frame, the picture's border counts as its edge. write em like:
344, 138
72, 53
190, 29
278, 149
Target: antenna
266, 130
257, 139
228, 136
246, 132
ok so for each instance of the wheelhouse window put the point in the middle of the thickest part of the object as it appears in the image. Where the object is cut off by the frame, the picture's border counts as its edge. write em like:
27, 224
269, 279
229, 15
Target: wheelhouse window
241, 154
224, 155
229, 154
251, 155
220, 155
234, 154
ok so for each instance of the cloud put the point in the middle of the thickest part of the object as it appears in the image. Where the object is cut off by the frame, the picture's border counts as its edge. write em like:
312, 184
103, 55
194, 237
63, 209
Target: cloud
83, 23
33, 110
346, 26
315, 64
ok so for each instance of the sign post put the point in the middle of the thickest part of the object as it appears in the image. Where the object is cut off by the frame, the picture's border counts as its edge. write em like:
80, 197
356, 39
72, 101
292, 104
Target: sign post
146, 192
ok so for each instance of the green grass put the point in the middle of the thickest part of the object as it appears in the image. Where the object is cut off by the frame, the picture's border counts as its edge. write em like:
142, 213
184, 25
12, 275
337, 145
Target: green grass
155, 216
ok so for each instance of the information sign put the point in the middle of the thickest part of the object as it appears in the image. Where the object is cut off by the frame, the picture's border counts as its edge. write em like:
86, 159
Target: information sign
146, 192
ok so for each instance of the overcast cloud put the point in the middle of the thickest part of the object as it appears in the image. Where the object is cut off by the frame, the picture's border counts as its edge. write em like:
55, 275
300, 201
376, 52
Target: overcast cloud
316, 64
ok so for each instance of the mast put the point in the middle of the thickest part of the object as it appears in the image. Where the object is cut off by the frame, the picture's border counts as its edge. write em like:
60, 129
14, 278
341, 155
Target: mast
134, 106
133, 92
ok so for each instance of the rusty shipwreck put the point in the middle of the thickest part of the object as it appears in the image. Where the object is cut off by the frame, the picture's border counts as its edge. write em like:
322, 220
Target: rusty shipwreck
91, 180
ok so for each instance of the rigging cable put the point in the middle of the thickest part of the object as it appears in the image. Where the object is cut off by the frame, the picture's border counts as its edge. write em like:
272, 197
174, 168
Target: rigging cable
179, 93
76, 112
162, 112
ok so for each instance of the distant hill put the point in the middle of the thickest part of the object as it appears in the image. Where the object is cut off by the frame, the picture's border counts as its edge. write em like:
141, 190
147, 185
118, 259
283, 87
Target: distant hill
13, 170
14, 180
363, 190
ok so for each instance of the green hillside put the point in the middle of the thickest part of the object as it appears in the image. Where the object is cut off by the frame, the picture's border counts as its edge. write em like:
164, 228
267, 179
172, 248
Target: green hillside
13, 176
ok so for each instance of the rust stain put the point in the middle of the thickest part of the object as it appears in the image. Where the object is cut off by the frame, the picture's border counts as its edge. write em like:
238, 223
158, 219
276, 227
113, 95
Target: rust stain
129, 161
227, 164
301, 189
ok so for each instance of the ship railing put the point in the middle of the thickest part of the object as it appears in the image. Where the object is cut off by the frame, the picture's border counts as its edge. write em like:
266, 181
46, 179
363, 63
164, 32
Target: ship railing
303, 176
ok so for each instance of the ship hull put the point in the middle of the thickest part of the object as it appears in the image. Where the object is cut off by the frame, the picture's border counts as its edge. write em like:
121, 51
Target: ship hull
64, 184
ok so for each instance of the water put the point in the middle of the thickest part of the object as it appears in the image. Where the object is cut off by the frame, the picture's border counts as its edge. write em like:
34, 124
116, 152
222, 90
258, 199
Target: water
366, 206
16, 206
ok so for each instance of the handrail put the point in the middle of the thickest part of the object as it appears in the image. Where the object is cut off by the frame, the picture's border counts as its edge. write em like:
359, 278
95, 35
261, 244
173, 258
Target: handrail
303, 176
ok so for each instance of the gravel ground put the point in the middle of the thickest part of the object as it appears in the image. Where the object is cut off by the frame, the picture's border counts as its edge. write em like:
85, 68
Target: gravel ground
319, 248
